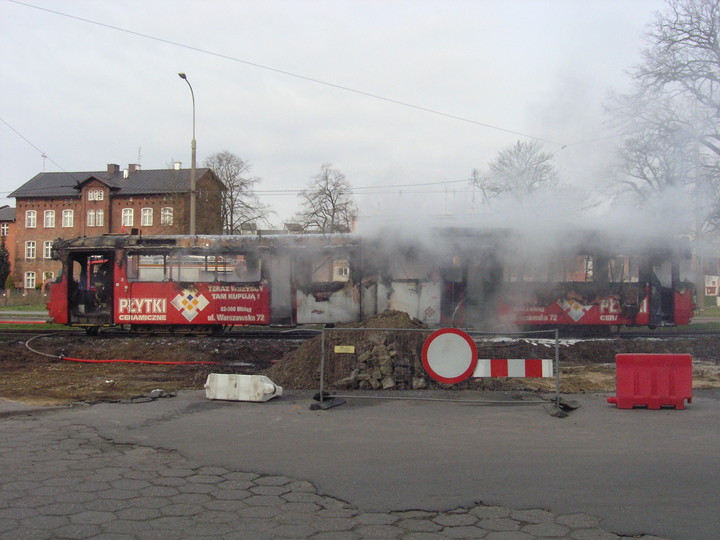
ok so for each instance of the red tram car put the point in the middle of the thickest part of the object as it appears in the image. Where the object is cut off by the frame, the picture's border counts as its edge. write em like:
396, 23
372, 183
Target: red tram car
454, 277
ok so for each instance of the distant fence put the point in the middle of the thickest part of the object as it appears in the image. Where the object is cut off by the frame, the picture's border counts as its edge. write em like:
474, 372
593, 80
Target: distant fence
24, 297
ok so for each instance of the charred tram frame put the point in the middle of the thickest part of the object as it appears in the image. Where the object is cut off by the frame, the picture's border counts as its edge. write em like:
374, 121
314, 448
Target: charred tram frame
454, 277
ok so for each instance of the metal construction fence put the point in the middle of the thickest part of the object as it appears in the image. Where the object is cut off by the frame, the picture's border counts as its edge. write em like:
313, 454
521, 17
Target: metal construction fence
386, 359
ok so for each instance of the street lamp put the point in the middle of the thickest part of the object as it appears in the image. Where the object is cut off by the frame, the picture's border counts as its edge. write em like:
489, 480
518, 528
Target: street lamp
192, 165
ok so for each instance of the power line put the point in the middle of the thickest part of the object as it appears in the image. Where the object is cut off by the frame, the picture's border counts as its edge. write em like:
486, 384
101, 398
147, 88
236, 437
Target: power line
42, 153
291, 74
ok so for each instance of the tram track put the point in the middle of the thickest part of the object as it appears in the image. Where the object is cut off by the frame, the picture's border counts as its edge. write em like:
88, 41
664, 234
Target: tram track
302, 334
111, 333
654, 334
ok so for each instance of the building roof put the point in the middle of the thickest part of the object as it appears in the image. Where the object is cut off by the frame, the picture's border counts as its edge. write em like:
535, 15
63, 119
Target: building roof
138, 182
7, 213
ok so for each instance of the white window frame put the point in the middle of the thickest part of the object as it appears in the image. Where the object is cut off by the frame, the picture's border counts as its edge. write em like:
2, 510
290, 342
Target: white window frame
29, 280
128, 217
47, 249
68, 218
96, 195
30, 249
49, 219
4, 229
90, 218
30, 219
48, 275
99, 218
166, 215
146, 217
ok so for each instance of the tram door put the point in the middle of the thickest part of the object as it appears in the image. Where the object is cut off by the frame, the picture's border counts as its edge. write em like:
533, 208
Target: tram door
91, 288
281, 304
662, 296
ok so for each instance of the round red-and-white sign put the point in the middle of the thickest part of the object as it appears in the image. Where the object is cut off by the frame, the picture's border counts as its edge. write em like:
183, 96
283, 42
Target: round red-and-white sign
449, 355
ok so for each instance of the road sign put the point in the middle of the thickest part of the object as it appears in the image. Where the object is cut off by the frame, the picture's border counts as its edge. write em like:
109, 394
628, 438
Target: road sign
449, 355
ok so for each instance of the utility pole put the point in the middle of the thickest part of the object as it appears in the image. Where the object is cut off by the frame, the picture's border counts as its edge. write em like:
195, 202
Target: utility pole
193, 162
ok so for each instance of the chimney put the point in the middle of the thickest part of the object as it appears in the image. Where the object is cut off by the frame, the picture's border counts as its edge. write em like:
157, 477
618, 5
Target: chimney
133, 167
177, 165
113, 169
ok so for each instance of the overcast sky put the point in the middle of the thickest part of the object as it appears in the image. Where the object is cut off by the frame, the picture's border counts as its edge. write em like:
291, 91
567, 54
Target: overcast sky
89, 94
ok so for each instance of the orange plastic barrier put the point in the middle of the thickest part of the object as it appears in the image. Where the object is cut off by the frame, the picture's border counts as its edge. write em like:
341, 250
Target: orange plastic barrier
653, 380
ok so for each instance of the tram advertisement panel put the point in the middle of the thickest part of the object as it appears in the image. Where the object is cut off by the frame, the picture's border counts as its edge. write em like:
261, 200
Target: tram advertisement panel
606, 310
199, 303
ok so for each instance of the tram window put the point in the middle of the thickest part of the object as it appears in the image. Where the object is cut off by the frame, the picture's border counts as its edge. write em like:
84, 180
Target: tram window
147, 268
238, 268
663, 271
623, 269
408, 265
578, 268
526, 272
132, 267
194, 268
322, 269
189, 268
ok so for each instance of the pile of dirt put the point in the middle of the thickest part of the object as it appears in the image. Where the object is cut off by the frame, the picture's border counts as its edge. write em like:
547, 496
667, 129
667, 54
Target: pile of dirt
300, 368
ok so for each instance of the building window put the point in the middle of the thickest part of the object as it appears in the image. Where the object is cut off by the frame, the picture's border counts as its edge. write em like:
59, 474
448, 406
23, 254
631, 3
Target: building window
48, 275
96, 195
49, 219
91, 218
147, 217
30, 219
4, 229
67, 220
29, 280
341, 270
127, 217
30, 249
47, 249
100, 218
166, 216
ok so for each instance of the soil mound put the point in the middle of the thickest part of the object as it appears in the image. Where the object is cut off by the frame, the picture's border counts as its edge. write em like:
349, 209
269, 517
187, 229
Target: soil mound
377, 354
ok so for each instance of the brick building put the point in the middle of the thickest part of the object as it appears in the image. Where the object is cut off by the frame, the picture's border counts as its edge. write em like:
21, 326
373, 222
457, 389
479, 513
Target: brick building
73, 204
7, 233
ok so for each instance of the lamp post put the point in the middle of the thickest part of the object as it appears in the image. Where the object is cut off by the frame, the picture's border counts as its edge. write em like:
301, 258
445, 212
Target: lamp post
192, 165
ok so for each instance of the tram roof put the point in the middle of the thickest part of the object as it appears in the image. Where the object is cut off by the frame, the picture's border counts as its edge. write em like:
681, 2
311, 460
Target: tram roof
452, 239
206, 243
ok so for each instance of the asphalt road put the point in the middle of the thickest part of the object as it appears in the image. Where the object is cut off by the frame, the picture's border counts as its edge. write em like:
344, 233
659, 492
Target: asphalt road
639, 471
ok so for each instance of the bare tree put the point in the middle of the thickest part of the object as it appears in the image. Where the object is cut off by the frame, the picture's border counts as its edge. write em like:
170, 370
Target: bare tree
519, 170
656, 152
672, 137
683, 61
240, 204
327, 203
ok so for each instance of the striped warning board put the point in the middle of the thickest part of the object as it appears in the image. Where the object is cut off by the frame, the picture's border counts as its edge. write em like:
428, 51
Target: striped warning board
513, 367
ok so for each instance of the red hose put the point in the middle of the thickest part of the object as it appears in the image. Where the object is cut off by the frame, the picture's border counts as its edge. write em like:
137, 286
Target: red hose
131, 361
